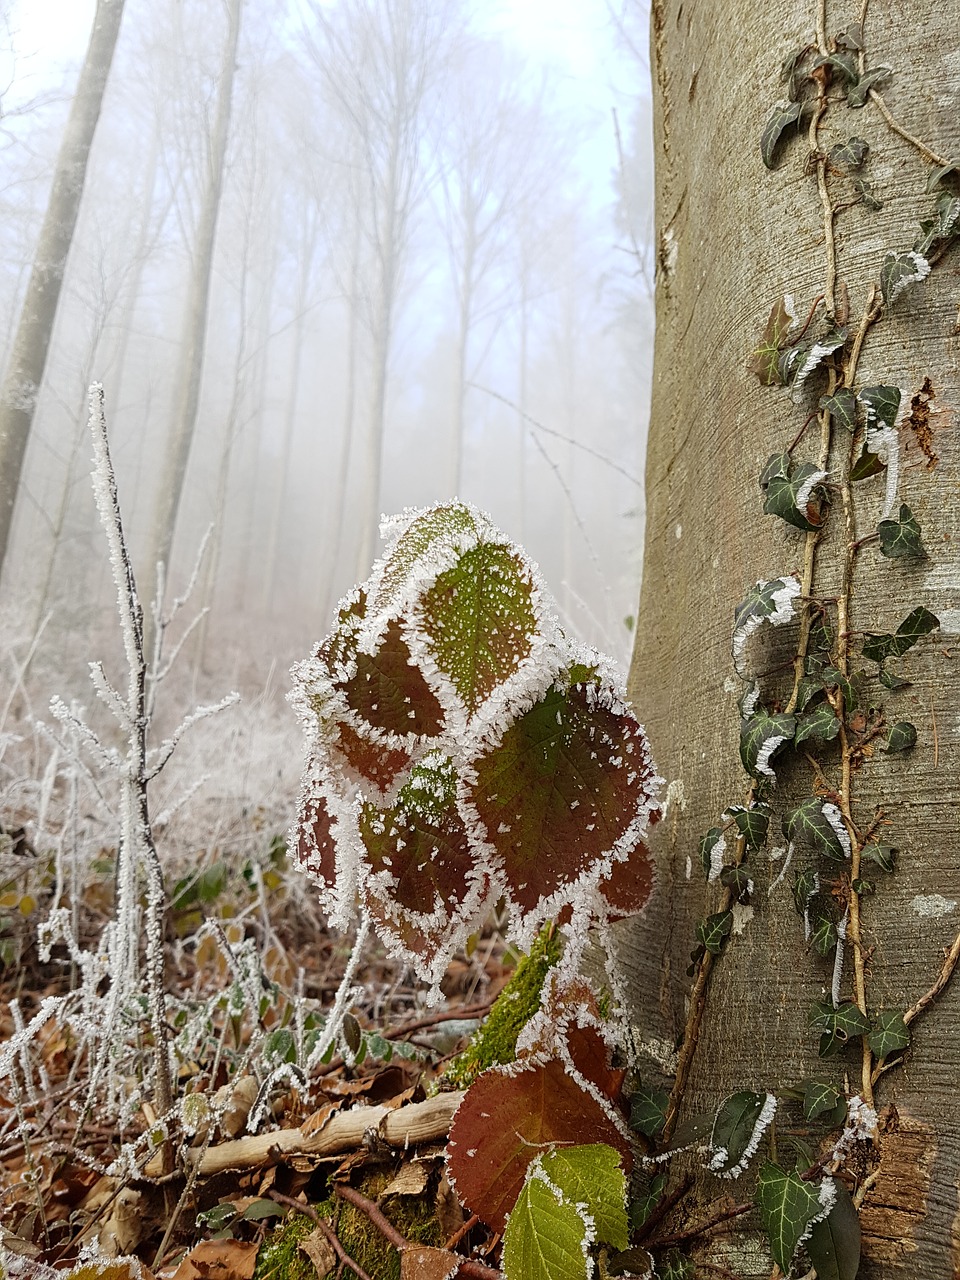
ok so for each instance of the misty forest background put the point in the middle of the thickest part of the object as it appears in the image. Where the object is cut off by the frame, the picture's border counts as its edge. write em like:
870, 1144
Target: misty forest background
431, 274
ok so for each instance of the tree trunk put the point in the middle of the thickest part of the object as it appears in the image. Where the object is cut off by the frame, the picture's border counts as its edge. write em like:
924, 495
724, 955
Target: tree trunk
21, 388
733, 239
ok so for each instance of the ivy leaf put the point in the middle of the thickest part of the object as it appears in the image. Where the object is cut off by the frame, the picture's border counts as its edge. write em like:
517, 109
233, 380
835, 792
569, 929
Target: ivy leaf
591, 1176
837, 1025
879, 647
941, 174
900, 537
546, 1234
812, 355
865, 191
890, 680
842, 407
784, 116
834, 1243
948, 216
737, 880
883, 856
882, 404
787, 1204
761, 737
713, 932
790, 72
851, 38
900, 270
834, 679
820, 723
823, 934
740, 1123
712, 848
868, 464
752, 823
857, 93
902, 737
763, 361
818, 1099
844, 64
817, 824
648, 1110
798, 498
849, 156
889, 1035
805, 884
772, 602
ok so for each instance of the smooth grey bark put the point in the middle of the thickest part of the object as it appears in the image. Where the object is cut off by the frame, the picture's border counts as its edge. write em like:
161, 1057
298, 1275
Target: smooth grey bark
732, 239
194, 332
28, 359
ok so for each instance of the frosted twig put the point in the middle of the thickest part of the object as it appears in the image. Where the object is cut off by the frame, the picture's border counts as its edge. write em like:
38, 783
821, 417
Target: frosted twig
182, 798
167, 748
336, 1015
106, 758
108, 694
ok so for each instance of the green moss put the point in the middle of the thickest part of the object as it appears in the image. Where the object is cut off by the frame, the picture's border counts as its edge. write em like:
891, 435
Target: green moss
496, 1040
279, 1257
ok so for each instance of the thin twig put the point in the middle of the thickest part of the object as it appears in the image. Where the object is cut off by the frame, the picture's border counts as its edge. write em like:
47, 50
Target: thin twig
701, 1228
949, 964
930, 156
665, 1206
326, 1228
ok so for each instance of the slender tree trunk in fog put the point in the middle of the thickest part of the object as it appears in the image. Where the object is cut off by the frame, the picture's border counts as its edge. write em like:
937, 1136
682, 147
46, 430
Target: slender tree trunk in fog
733, 238
193, 335
24, 375
338, 519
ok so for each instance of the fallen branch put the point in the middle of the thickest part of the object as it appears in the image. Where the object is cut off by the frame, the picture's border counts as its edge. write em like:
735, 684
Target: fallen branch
344, 1131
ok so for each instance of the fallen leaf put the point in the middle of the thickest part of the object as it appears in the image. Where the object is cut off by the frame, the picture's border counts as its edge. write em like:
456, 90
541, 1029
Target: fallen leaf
320, 1251
219, 1260
421, 1262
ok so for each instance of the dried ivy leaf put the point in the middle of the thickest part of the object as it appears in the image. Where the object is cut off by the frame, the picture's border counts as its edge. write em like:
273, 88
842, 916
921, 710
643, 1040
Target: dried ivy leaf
834, 1243
648, 1110
787, 1205
784, 116
817, 824
713, 932
900, 270
890, 1034
900, 537
761, 738
857, 94
820, 723
849, 156
902, 737
842, 407
763, 361
819, 1098
879, 647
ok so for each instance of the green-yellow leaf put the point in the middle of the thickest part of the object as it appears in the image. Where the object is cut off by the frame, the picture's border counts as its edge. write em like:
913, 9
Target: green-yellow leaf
546, 1237
593, 1176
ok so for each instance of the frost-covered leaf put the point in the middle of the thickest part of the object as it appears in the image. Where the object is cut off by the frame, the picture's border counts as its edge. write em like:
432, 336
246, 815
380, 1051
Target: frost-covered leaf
784, 116
857, 93
882, 404
713, 932
507, 1117
787, 1205
837, 1025
546, 1235
902, 737
817, 824
813, 354
819, 1098
772, 601
566, 792
712, 848
883, 856
820, 723
900, 270
849, 156
315, 844
761, 737
834, 1243
387, 690
740, 1123
798, 497
763, 361
842, 406
889, 1034
879, 647
426, 1262
592, 1176
648, 1109
752, 823
900, 537
479, 618
430, 540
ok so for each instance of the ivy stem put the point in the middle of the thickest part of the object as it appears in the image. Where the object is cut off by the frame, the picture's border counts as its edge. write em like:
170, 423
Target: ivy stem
871, 313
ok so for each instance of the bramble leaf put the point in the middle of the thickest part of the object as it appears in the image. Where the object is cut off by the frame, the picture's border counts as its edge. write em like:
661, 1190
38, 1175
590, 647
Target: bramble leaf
592, 1177
787, 1205
901, 536
834, 1243
546, 1235
784, 116
889, 1035
902, 737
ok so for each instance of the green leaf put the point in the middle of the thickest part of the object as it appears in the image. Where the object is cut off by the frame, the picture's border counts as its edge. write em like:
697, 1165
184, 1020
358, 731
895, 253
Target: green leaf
763, 361
900, 537
737, 880
817, 824
818, 1099
784, 116
883, 856
771, 601
433, 535
834, 679
761, 738
900, 270
787, 1204
842, 407
799, 498
837, 1025
864, 190
752, 823
890, 680
868, 464
939, 175
805, 884
261, 1209
857, 93
646, 1198
713, 932
879, 647
712, 848
844, 64
889, 1035
820, 723
902, 737
823, 933
814, 353
851, 38
948, 216
281, 1046
592, 1177
882, 404
648, 1110
545, 1235
737, 1129
848, 156
834, 1243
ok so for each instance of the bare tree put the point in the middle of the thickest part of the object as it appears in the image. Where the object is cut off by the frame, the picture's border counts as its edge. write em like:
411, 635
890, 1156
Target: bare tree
24, 375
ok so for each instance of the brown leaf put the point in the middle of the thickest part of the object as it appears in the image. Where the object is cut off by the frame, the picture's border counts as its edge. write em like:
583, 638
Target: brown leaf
219, 1260
320, 1251
421, 1262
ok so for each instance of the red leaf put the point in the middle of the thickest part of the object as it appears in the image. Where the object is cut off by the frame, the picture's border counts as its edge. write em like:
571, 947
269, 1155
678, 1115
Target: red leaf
367, 759
316, 849
389, 693
510, 1115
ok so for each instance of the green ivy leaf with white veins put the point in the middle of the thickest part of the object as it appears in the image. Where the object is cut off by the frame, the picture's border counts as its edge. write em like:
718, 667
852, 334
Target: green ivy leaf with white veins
818, 824
761, 737
900, 270
788, 1206
771, 601
784, 116
900, 537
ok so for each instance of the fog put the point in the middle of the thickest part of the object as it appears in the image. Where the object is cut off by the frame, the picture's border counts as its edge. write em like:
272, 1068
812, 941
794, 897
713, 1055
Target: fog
332, 259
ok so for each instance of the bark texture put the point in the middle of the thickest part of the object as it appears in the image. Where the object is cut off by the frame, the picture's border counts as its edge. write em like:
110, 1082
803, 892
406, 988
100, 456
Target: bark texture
732, 239
24, 375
